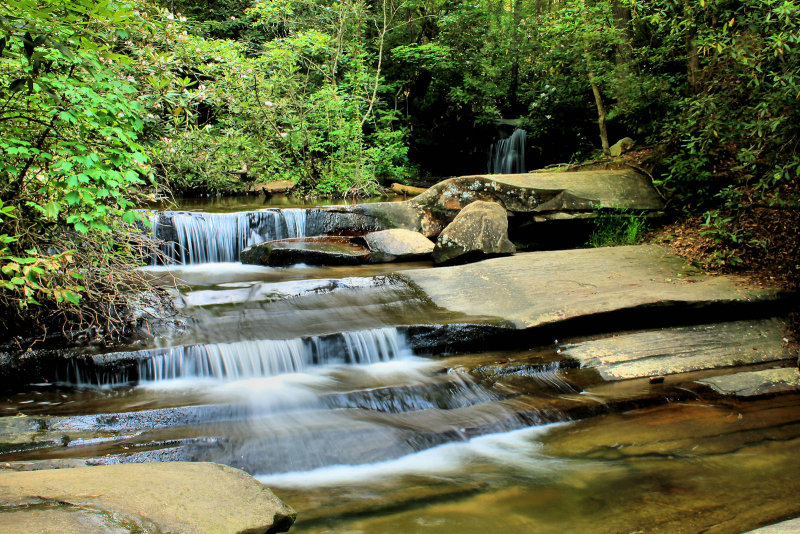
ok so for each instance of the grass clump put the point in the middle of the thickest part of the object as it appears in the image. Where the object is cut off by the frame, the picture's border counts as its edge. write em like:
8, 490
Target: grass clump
617, 227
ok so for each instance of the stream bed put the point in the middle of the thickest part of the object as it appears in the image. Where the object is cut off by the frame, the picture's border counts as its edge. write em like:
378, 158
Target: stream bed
311, 379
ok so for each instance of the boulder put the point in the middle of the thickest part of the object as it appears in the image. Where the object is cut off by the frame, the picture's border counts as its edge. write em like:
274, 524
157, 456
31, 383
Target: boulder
621, 146
398, 245
480, 229
322, 250
147, 497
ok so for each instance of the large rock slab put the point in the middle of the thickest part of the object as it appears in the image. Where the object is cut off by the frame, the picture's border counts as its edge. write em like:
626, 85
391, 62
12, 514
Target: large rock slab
541, 195
481, 228
543, 192
397, 244
681, 350
157, 497
756, 383
542, 288
321, 250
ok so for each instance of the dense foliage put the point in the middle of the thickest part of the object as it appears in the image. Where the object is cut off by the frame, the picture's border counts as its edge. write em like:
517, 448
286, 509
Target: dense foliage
103, 103
71, 167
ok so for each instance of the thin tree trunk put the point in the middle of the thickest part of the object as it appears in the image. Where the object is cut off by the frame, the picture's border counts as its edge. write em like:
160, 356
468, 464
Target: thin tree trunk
601, 115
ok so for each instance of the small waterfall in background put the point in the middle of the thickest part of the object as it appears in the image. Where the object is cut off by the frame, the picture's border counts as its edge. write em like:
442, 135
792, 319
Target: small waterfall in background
507, 156
244, 359
220, 237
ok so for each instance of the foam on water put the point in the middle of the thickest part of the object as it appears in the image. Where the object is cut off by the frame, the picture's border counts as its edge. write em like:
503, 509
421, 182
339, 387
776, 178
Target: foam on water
515, 449
242, 359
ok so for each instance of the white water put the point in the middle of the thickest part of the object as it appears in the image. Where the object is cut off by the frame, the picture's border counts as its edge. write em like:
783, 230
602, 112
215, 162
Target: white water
517, 449
220, 237
507, 156
252, 358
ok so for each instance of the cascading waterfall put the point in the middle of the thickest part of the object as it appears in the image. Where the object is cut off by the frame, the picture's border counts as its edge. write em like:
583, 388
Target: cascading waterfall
220, 237
259, 358
507, 156
244, 359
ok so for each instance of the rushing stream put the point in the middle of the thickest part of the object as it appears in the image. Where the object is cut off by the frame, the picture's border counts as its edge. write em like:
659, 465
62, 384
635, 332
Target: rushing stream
311, 380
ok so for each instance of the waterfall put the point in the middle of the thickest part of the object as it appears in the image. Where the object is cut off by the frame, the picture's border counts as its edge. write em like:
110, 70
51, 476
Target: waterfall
219, 237
251, 359
241, 359
507, 156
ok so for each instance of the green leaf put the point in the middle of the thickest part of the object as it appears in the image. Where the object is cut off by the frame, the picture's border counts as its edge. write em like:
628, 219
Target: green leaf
129, 217
72, 198
52, 209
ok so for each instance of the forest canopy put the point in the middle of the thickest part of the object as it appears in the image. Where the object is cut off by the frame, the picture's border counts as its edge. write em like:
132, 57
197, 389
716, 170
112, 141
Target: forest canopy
103, 104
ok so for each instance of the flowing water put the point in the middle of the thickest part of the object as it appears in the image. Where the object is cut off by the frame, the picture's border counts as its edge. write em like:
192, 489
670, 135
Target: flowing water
507, 156
316, 381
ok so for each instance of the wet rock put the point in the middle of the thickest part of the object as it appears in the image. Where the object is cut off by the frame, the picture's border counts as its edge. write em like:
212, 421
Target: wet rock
756, 383
480, 229
679, 350
409, 215
167, 497
324, 250
398, 245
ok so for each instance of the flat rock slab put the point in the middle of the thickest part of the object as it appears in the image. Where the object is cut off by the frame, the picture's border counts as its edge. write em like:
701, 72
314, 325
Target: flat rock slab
322, 250
756, 383
547, 191
682, 350
541, 288
157, 497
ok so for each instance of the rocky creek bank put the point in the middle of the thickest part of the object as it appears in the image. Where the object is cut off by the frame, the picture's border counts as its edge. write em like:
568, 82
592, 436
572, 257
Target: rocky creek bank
444, 214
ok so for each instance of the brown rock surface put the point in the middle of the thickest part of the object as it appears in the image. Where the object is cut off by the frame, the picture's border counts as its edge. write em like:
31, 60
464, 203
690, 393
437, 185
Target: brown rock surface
160, 497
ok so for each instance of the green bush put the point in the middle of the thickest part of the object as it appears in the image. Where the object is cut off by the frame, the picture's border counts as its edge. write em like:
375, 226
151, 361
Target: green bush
617, 227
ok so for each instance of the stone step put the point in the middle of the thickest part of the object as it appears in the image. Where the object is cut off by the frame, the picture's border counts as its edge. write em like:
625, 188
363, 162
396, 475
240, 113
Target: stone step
680, 350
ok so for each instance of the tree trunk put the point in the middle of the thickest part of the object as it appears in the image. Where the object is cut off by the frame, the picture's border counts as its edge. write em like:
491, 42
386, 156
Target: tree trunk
622, 21
601, 115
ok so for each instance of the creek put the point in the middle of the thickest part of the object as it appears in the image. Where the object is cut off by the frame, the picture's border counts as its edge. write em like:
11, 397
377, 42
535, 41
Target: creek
339, 388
